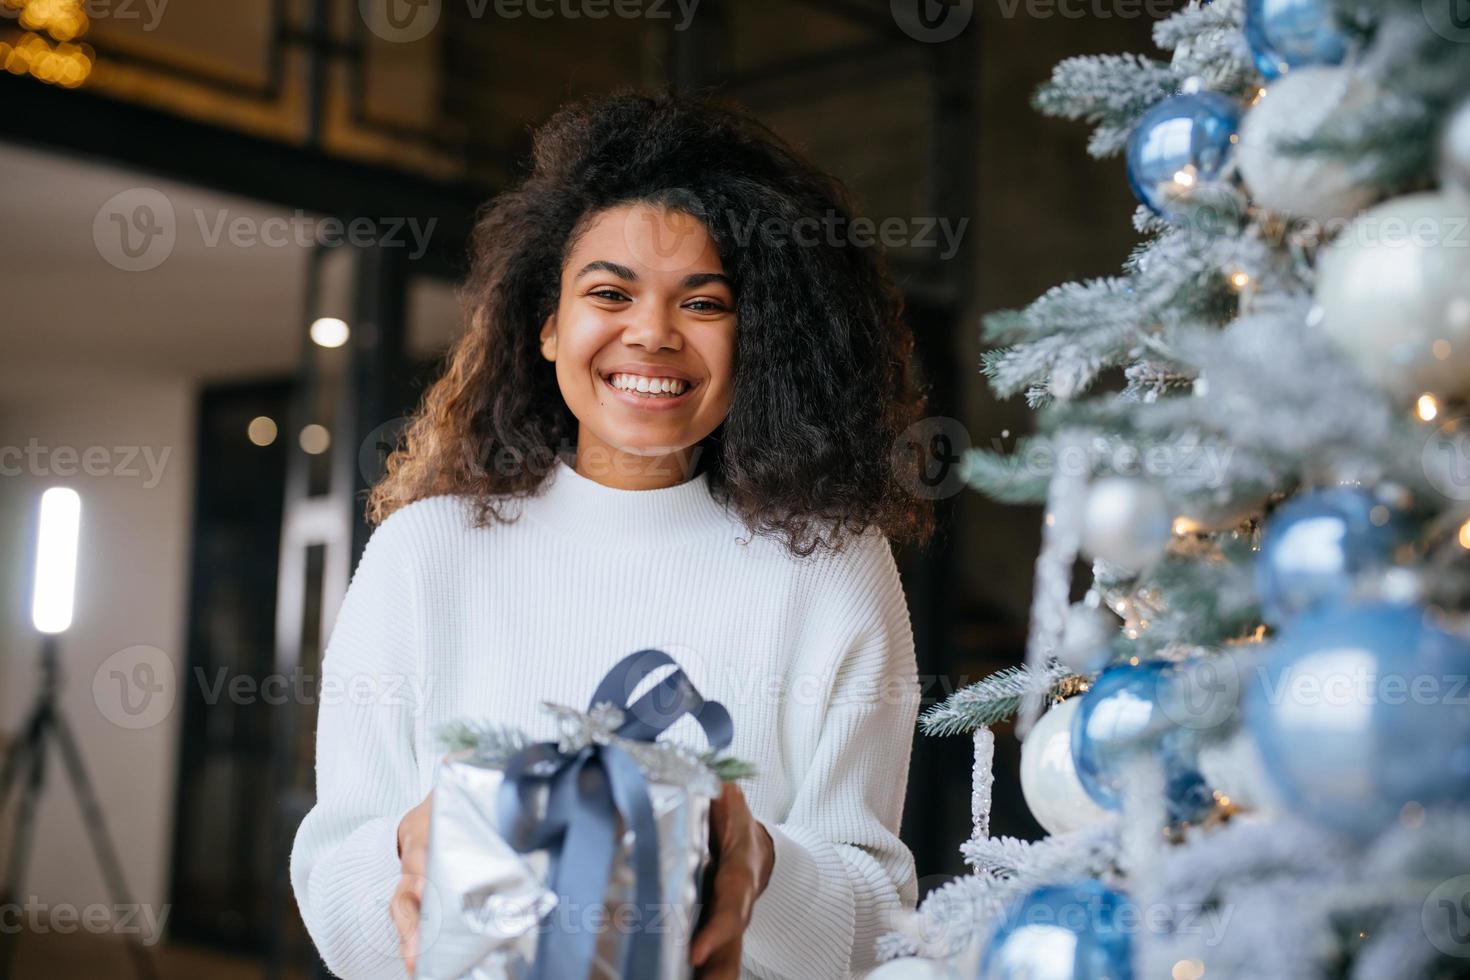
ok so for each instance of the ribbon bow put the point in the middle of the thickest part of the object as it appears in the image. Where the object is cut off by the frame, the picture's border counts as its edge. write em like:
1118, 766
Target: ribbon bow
591, 781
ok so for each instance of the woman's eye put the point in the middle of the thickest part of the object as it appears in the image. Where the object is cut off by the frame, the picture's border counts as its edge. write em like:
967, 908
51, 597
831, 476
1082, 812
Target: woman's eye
705, 306
609, 294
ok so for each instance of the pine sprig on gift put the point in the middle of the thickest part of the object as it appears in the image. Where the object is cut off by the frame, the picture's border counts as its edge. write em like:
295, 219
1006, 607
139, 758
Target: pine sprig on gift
494, 744
996, 699
727, 768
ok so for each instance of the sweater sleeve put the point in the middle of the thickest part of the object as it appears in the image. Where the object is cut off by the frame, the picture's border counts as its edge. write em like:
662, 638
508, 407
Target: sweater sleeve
839, 864
344, 861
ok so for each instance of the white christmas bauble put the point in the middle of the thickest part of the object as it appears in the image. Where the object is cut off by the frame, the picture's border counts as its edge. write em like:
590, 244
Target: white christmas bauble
1086, 634
1126, 523
1048, 779
1317, 188
1394, 290
1232, 767
912, 968
1454, 152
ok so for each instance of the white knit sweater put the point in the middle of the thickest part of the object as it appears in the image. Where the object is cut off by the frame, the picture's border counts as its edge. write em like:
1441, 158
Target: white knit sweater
812, 656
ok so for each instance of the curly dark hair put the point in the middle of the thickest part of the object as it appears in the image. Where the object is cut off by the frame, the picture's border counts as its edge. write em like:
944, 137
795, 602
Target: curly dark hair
812, 447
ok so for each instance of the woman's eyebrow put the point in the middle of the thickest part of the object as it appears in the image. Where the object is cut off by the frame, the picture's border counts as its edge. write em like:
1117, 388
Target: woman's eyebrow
705, 278
691, 281
602, 265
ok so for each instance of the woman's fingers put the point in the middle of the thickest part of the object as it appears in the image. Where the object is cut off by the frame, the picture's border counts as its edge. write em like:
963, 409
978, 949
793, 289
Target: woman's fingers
733, 896
734, 834
404, 910
413, 856
724, 964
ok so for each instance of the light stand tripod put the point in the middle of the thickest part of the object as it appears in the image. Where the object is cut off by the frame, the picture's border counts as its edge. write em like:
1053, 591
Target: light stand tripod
45, 723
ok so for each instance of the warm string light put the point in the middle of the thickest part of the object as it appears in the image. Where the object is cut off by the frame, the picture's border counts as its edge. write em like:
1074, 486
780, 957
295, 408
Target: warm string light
1187, 970
330, 331
1464, 536
315, 439
66, 64
262, 430
65, 20
1427, 407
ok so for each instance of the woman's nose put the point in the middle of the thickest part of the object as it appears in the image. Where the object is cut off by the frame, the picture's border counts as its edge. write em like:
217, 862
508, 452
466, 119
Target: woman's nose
652, 328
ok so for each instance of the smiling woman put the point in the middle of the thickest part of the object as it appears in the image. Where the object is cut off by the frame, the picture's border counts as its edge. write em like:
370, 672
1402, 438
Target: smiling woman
648, 432
630, 241
644, 351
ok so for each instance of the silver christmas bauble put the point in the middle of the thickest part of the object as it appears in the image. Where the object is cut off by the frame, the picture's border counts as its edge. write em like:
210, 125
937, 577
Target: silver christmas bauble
1313, 187
1394, 289
1126, 523
1048, 778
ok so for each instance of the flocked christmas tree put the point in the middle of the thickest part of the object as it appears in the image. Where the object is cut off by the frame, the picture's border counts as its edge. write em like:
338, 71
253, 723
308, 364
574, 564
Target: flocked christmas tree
1250, 740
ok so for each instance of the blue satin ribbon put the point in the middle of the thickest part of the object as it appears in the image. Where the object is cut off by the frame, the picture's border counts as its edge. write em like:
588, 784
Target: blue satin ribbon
587, 791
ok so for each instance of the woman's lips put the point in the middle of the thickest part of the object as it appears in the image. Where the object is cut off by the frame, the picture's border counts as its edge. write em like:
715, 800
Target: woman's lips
650, 403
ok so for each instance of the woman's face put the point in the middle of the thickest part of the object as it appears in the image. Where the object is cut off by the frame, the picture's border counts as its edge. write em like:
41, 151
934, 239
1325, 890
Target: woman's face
643, 339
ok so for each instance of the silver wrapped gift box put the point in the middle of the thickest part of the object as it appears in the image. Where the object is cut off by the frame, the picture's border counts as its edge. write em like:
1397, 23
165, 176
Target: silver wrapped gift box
484, 904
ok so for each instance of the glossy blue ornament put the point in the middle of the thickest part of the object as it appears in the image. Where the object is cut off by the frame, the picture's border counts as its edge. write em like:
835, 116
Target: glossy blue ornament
1317, 545
1064, 932
1124, 713
1286, 34
1183, 141
1358, 710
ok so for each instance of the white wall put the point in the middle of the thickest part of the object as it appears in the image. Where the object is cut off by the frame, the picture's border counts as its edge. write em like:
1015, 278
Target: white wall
131, 590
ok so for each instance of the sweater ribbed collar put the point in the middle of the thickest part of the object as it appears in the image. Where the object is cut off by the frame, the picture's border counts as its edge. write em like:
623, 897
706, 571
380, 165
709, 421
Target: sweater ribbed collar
581, 507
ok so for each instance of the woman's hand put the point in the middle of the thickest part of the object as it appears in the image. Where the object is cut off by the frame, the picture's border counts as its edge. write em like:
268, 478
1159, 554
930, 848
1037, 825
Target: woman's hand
413, 852
744, 855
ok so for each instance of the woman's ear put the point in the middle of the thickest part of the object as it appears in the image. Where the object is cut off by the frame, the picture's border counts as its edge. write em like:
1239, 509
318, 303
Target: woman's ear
548, 338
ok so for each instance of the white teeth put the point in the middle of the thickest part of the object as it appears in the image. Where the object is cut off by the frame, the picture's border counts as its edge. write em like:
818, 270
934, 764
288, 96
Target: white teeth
648, 386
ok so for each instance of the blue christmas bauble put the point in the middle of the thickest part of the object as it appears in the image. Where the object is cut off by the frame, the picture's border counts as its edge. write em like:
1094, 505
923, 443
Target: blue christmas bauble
1183, 141
1287, 34
1360, 710
1317, 545
1063, 932
1122, 714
